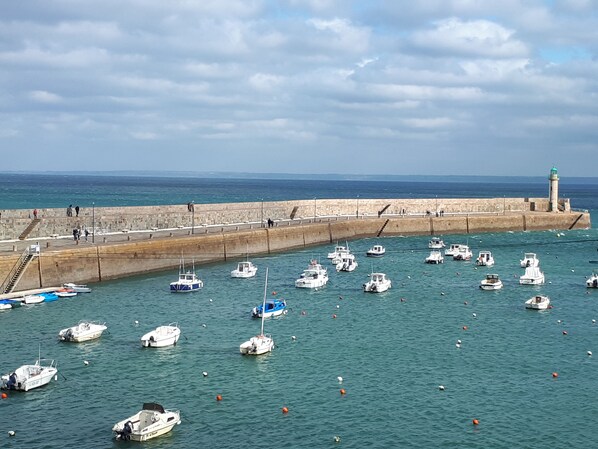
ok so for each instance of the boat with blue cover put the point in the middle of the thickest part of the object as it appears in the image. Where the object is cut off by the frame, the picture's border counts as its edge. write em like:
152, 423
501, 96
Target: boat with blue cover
273, 307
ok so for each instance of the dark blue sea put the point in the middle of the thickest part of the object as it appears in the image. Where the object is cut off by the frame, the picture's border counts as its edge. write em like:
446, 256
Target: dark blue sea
392, 350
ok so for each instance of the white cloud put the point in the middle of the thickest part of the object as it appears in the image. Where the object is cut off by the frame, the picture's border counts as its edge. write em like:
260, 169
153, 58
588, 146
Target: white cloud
42, 96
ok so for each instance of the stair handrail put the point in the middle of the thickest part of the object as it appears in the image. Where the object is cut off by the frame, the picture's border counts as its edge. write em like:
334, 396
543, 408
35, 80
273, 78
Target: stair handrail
15, 268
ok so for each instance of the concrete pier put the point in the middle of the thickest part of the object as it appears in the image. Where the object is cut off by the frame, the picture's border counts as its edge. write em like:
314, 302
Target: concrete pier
232, 230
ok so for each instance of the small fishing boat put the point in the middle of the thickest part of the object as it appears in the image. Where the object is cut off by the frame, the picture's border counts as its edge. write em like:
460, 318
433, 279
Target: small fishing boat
376, 251
532, 276
273, 307
314, 276
492, 282
452, 250
161, 336
5, 304
436, 243
592, 281
49, 296
84, 331
538, 302
337, 250
485, 259
464, 253
28, 377
77, 287
244, 269
347, 264
151, 422
261, 343
435, 257
378, 283
33, 299
188, 280
65, 292
529, 260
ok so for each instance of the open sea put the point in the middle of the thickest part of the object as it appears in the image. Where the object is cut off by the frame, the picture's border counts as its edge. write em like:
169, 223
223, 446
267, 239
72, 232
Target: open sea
393, 350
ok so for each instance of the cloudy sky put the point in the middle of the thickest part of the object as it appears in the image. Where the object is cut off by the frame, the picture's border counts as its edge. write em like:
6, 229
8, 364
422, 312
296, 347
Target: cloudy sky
437, 87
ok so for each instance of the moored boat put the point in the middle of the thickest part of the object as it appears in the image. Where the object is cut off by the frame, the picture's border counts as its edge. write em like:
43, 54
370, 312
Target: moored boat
161, 336
532, 276
592, 281
338, 249
244, 269
65, 292
435, 257
464, 253
272, 307
378, 283
33, 299
376, 251
28, 377
485, 259
187, 282
77, 287
84, 331
314, 276
436, 243
538, 302
347, 264
261, 343
151, 422
492, 282
452, 250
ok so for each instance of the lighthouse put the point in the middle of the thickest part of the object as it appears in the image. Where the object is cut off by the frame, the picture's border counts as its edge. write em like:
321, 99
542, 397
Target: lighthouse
553, 190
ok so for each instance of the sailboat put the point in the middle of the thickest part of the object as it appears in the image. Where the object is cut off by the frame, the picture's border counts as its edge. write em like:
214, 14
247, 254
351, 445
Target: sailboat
260, 344
188, 280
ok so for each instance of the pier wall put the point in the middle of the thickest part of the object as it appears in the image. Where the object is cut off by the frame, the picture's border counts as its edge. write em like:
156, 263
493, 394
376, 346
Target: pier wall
54, 222
95, 263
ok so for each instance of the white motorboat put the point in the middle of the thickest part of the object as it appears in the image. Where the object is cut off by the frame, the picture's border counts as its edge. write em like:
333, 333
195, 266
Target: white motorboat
532, 276
313, 277
28, 377
244, 269
538, 302
378, 283
65, 292
78, 288
452, 250
33, 299
273, 307
492, 282
347, 264
151, 422
337, 250
464, 253
435, 257
485, 259
188, 280
436, 243
592, 281
261, 343
84, 331
342, 255
5, 306
162, 336
376, 251
529, 260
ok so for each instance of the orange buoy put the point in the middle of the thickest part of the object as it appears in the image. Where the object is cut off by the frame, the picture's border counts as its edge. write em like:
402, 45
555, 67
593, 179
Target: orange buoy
555, 374
334, 316
342, 391
475, 422
219, 397
464, 328
285, 410
274, 293
4, 395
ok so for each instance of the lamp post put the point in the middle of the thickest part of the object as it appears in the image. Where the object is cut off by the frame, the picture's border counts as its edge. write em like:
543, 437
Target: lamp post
357, 213
504, 205
93, 222
315, 208
262, 215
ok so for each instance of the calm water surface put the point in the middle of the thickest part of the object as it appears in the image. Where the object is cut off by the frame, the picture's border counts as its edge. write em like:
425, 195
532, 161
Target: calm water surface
392, 354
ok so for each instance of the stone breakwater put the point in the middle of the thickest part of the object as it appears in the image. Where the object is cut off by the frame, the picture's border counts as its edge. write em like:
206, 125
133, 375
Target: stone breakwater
15, 224
102, 261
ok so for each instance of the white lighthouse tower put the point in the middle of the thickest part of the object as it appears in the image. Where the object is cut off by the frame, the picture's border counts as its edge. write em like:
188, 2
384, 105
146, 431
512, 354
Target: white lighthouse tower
553, 191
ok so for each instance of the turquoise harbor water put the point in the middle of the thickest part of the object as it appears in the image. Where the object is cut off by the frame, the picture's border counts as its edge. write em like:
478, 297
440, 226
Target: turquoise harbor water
392, 354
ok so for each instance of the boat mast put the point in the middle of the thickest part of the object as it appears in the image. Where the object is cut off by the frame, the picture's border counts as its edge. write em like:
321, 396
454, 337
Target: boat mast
264, 302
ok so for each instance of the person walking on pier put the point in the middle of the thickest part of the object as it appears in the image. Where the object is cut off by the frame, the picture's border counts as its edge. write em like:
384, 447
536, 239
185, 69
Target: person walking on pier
35, 214
77, 210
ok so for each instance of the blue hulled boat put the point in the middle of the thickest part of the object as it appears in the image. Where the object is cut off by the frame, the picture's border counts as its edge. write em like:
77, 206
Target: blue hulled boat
274, 307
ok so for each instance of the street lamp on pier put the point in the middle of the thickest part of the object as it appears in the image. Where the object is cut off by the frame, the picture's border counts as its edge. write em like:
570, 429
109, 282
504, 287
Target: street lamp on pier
93, 222
357, 213
315, 208
262, 215
192, 217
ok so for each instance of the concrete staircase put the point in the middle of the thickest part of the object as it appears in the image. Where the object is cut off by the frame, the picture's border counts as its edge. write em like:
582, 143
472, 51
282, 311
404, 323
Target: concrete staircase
29, 228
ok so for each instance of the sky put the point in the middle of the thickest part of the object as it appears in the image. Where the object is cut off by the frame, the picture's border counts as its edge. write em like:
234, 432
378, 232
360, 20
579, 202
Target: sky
427, 87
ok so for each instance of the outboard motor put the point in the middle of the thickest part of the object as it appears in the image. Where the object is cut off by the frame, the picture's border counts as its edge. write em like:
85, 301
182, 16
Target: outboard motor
125, 434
